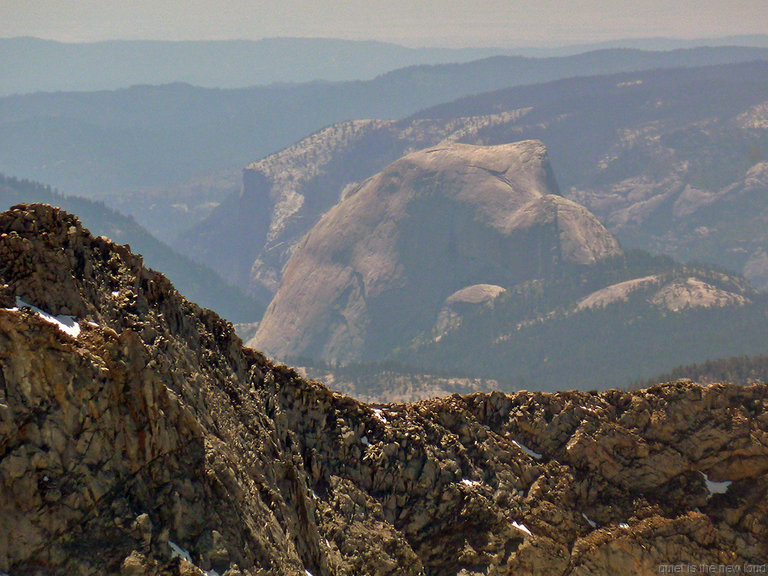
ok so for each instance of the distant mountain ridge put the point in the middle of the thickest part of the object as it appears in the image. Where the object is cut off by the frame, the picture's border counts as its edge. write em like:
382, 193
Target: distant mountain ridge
33, 64
95, 143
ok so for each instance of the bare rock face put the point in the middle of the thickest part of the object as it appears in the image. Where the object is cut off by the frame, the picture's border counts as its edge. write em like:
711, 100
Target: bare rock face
140, 438
456, 304
378, 266
675, 295
122, 435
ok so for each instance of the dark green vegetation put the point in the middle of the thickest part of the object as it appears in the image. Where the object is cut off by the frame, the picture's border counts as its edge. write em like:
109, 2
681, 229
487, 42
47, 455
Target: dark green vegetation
537, 336
743, 370
533, 338
194, 280
390, 381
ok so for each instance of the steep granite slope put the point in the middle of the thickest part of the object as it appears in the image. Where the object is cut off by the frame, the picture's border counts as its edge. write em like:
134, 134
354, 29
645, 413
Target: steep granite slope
137, 436
376, 268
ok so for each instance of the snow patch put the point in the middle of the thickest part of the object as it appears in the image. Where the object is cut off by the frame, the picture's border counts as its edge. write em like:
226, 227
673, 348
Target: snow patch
522, 527
469, 482
364, 441
307, 572
116, 293
531, 453
623, 525
590, 522
715, 487
65, 323
179, 552
379, 414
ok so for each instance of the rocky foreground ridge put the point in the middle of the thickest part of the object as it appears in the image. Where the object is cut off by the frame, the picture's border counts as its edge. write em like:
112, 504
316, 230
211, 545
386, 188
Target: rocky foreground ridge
138, 436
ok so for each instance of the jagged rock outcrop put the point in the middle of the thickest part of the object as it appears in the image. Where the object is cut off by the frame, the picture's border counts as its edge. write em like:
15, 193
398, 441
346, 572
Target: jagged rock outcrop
378, 266
137, 436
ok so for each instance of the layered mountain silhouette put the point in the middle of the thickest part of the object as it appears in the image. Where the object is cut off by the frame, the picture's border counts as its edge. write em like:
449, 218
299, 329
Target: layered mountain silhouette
660, 157
146, 136
138, 437
377, 266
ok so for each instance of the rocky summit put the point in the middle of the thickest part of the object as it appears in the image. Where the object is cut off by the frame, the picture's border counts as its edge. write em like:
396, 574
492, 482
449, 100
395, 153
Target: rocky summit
139, 437
378, 266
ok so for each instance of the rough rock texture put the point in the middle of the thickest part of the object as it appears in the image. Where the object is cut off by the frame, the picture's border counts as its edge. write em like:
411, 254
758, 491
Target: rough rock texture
378, 266
152, 442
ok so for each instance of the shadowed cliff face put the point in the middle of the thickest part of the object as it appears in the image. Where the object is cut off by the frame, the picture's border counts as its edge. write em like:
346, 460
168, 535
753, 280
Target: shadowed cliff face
137, 436
376, 268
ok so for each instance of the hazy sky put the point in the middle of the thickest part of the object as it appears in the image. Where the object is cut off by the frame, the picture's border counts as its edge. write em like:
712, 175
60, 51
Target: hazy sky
411, 22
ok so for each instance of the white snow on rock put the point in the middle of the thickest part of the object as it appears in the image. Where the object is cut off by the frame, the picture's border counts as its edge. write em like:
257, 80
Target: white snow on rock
65, 323
469, 482
590, 522
623, 525
364, 441
522, 527
379, 414
531, 453
715, 487
178, 551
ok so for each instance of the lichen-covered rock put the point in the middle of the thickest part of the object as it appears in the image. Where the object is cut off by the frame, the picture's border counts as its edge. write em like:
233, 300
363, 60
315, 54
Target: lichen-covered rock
153, 443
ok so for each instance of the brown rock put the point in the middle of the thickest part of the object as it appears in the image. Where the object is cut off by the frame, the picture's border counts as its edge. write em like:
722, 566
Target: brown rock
115, 445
